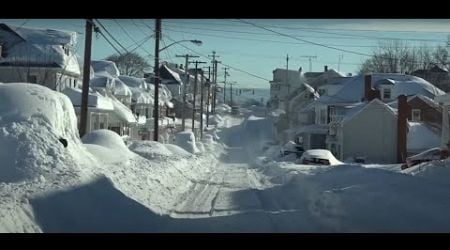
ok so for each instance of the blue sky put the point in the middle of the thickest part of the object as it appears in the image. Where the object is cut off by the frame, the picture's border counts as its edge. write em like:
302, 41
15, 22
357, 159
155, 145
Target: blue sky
255, 49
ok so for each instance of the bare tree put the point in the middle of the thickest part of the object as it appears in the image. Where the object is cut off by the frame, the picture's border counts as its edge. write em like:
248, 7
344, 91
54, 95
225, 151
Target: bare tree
131, 64
396, 57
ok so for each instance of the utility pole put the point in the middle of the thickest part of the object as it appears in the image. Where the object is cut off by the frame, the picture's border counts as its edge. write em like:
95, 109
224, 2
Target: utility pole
214, 80
225, 85
156, 72
186, 74
86, 76
201, 104
310, 63
195, 92
208, 96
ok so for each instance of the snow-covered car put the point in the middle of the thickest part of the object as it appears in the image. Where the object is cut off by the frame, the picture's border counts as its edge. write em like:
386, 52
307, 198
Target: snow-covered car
425, 156
319, 157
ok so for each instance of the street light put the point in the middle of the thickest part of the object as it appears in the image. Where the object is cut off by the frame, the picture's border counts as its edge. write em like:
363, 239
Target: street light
156, 72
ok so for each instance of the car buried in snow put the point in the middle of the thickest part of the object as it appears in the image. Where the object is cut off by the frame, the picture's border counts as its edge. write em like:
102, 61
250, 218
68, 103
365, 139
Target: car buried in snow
319, 157
432, 154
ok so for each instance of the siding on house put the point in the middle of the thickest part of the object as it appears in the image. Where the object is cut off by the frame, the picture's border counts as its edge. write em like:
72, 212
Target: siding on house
372, 133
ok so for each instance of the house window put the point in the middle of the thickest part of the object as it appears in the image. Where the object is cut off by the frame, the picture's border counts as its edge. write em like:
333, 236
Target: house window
415, 115
386, 93
32, 78
1, 51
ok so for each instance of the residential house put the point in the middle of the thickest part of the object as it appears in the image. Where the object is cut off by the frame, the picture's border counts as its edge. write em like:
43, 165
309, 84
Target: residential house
41, 56
439, 76
99, 108
318, 79
390, 134
284, 83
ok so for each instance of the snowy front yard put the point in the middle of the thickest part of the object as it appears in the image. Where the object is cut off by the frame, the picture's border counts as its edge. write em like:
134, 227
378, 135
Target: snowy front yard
100, 183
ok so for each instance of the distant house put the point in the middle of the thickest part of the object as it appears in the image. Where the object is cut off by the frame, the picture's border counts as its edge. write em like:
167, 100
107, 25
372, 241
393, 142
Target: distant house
439, 76
334, 116
41, 56
318, 79
99, 108
284, 83
368, 130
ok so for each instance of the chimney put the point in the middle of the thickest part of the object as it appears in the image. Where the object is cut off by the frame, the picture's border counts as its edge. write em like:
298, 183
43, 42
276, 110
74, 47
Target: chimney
181, 66
367, 87
300, 70
402, 117
325, 68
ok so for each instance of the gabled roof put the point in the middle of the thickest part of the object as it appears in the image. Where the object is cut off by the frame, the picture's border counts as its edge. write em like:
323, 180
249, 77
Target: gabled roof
353, 112
28, 47
353, 89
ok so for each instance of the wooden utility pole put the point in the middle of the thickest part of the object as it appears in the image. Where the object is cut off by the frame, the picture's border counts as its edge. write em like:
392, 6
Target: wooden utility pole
86, 76
214, 80
208, 110
186, 74
156, 72
225, 85
195, 93
201, 104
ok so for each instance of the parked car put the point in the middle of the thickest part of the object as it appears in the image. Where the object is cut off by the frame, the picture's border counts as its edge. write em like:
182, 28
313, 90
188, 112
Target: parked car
319, 157
425, 156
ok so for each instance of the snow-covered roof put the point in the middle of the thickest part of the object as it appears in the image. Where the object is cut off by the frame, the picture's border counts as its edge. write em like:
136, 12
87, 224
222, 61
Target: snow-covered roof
121, 88
107, 67
95, 99
172, 74
420, 137
135, 82
353, 89
351, 113
102, 81
39, 47
122, 111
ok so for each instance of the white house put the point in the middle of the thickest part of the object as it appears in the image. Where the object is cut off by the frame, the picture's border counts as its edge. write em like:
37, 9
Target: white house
99, 108
41, 56
284, 83
368, 130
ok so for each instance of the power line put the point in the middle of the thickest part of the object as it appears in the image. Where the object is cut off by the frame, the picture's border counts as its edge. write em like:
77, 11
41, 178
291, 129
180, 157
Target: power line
322, 45
111, 35
98, 31
335, 35
237, 24
240, 70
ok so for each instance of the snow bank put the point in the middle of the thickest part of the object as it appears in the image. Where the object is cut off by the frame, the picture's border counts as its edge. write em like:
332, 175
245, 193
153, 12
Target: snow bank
32, 120
421, 138
107, 146
186, 140
150, 149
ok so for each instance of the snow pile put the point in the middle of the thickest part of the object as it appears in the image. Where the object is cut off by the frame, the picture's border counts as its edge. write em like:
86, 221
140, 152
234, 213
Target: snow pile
32, 120
105, 67
437, 171
186, 140
150, 149
420, 137
106, 145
